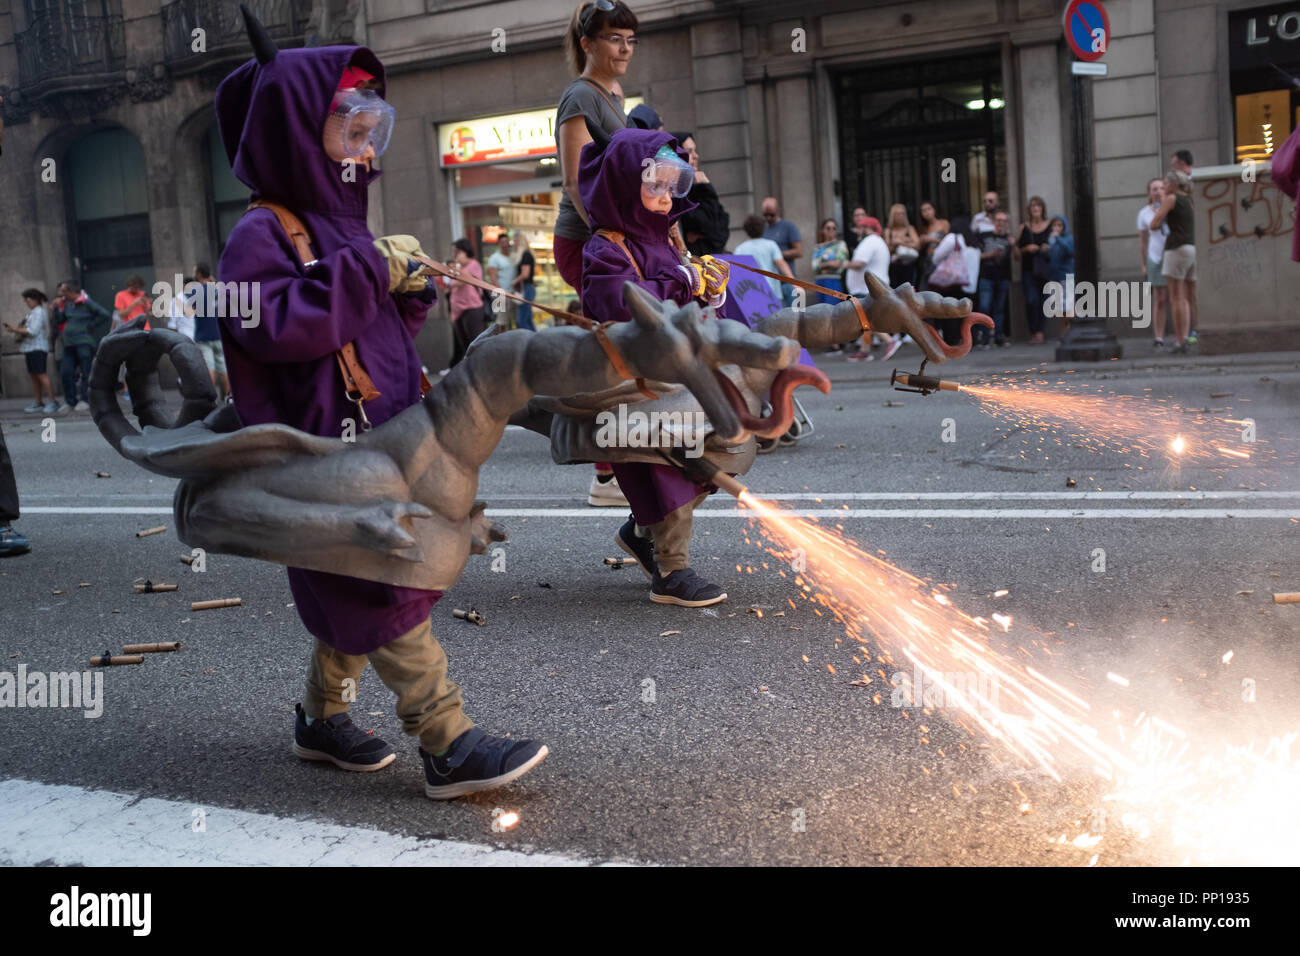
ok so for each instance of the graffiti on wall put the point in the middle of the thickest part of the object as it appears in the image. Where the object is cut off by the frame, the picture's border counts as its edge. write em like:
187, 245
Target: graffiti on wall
1241, 220
1233, 209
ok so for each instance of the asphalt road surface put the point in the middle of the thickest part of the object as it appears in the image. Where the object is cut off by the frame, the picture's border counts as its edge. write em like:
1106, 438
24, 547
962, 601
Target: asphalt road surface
678, 736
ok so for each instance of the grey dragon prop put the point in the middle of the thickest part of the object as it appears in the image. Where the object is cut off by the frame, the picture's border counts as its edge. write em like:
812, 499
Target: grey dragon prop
398, 504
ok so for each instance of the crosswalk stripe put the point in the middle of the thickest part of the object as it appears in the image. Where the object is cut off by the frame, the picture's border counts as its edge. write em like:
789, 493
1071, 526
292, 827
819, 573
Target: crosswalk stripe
71, 826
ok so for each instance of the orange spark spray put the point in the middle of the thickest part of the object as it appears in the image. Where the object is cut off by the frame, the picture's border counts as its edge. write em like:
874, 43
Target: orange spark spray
1219, 803
1124, 423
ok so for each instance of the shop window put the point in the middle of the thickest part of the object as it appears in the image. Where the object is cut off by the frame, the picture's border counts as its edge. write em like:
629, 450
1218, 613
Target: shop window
1264, 71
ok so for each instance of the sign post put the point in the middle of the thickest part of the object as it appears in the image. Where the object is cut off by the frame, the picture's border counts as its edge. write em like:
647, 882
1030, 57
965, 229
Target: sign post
1087, 31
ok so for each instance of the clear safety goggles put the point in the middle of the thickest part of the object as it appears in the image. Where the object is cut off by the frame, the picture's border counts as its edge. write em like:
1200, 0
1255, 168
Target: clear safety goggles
364, 119
668, 176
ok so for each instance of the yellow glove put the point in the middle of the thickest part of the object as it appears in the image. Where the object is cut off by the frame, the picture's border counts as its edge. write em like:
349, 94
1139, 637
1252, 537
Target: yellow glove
716, 274
697, 278
403, 271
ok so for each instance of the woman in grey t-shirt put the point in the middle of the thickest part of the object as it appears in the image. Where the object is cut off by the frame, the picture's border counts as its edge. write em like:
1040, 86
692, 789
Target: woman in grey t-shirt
598, 45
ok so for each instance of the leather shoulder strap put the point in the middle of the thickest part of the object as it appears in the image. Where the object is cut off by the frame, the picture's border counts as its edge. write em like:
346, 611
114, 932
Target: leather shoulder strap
357, 384
293, 227
618, 239
603, 94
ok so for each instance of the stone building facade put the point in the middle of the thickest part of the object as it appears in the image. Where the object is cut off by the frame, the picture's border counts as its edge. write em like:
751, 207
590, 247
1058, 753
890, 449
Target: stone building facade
110, 165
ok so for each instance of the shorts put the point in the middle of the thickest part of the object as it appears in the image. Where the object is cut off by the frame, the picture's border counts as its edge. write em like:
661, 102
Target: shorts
1155, 275
214, 356
1180, 263
37, 362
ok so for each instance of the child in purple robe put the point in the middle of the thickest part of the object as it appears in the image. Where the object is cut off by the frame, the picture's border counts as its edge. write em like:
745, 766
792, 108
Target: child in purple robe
633, 190
271, 113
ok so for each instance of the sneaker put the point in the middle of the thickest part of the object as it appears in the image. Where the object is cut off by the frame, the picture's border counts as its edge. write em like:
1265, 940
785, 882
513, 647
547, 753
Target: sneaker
640, 548
81, 407
1001, 342
51, 408
861, 356
686, 589
34, 408
893, 347
1158, 345
478, 761
63, 408
1179, 349
341, 742
1191, 337
12, 543
605, 494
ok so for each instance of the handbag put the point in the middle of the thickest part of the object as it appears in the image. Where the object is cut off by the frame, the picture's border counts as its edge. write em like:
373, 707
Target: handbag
952, 270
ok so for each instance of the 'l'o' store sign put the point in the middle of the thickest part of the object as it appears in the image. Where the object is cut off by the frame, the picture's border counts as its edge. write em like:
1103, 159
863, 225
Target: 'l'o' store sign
498, 139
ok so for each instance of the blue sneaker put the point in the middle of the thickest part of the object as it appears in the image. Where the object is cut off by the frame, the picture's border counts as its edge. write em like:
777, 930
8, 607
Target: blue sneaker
341, 742
12, 543
478, 761
1191, 337
642, 549
685, 588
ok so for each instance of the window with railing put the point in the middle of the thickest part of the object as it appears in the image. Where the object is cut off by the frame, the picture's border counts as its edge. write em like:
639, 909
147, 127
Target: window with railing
196, 29
68, 38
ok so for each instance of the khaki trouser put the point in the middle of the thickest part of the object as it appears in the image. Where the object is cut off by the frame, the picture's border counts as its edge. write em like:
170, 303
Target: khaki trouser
414, 667
672, 538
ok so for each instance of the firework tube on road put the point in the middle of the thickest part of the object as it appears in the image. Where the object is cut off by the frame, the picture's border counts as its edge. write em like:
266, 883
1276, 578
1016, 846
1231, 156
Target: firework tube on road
921, 384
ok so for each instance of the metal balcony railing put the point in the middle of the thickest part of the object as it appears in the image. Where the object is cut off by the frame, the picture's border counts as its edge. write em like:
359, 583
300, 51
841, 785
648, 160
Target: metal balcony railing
223, 28
59, 46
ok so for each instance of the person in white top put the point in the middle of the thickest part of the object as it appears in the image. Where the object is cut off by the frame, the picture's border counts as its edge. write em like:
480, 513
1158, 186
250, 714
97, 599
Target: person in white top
983, 221
34, 343
871, 255
1151, 246
180, 315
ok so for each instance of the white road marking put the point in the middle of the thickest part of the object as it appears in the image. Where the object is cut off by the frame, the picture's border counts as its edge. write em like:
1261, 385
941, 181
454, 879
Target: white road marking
92, 510
73, 826
845, 512
927, 513
845, 496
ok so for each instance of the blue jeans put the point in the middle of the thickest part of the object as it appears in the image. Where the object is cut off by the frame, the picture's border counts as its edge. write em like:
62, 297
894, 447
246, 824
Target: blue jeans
1033, 290
993, 303
524, 312
76, 357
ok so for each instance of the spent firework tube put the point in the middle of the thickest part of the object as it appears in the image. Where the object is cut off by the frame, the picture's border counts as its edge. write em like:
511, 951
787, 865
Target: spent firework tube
925, 382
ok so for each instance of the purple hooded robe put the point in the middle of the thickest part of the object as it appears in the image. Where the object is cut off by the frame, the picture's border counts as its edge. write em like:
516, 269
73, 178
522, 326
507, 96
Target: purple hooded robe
609, 182
271, 117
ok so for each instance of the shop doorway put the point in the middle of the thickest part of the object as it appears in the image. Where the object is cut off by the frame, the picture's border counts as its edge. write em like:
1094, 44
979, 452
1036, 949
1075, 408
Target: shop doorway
930, 130
523, 199
109, 206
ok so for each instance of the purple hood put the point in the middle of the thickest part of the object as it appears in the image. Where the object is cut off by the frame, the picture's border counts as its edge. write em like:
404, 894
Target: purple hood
271, 117
609, 182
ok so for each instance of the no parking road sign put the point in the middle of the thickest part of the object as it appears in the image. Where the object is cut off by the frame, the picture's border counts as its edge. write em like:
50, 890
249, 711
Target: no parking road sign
1087, 29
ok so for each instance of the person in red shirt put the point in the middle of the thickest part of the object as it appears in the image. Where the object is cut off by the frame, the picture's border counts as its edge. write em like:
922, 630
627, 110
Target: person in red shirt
131, 301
